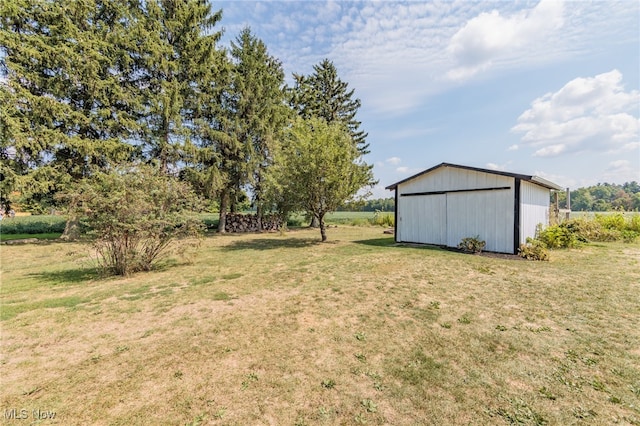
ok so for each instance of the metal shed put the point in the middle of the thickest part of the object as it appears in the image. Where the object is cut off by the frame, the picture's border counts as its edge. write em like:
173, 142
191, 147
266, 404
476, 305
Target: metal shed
449, 202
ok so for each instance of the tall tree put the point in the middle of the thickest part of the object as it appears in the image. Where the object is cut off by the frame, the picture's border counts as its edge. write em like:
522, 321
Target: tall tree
323, 94
67, 110
320, 169
258, 110
175, 59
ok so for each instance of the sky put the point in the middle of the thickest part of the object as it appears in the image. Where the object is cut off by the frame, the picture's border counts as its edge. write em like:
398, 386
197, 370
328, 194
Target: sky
547, 88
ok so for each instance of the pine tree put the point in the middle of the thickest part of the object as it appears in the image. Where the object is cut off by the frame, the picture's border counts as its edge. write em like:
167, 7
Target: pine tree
258, 110
175, 59
322, 94
67, 110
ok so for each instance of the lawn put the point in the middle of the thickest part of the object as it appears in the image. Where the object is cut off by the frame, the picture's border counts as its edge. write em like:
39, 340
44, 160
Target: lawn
284, 330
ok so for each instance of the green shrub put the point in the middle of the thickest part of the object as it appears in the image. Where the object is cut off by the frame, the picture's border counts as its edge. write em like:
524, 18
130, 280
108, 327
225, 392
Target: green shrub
381, 218
135, 213
629, 236
611, 221
558, 236
472, 244
534, 250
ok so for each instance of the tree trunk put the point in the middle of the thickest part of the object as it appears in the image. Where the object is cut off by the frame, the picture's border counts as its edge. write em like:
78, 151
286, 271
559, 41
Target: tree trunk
323, 229
314, 222
259, 217
224, 205
71, 229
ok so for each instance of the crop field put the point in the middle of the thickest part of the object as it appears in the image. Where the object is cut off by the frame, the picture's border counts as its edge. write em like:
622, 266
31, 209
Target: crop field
280, 329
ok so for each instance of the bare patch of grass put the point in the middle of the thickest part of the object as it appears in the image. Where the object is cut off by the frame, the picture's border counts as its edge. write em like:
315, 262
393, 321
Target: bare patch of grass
261, 329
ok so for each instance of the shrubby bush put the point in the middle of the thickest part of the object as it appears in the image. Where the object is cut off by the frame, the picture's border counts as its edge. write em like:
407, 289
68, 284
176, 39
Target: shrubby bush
135, 214
381, 218
472, 244
575, 232
534, 250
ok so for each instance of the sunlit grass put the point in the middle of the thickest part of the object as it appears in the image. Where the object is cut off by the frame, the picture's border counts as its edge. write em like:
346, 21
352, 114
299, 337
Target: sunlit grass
283, 329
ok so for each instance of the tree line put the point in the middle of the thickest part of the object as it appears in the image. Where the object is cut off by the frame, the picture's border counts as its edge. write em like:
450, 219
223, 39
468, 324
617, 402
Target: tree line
605, 197
89, 86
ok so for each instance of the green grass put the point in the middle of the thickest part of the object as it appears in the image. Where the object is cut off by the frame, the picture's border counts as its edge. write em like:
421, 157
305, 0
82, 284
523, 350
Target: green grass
44, 236
43, 224
282, 329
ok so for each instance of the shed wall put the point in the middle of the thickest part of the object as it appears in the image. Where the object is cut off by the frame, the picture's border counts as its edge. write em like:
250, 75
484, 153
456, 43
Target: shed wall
534, 209
444, 219
452, 179
487, 214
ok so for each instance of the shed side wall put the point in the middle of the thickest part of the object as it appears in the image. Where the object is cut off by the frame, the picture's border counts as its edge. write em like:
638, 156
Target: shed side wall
534, 209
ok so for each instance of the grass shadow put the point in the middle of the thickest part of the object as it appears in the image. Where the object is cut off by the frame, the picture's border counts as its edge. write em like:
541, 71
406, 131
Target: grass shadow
68, 276
390, 242
272, 243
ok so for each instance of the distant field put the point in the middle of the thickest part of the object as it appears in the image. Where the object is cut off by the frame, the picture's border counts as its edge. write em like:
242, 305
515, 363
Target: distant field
281, 329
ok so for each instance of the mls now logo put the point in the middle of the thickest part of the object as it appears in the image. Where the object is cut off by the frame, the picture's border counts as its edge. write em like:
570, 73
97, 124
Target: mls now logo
24, 414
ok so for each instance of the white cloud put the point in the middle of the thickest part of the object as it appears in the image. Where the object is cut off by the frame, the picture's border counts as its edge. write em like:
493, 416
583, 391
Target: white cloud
587, 114
498, 167
402, 169
491, 36
620, 171
397, 54
394, 161
513, 147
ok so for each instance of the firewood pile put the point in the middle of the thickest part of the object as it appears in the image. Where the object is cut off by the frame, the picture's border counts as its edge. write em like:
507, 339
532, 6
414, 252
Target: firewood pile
237, 222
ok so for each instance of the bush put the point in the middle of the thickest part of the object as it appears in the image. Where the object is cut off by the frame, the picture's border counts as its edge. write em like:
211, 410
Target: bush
135, 214
611, 221
472, 244
558, 236
383, 219
534, 250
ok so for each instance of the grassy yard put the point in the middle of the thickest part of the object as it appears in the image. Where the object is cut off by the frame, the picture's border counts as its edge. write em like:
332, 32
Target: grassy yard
284, 330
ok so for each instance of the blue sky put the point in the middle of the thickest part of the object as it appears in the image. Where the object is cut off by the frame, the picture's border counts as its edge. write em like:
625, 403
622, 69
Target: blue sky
548, 88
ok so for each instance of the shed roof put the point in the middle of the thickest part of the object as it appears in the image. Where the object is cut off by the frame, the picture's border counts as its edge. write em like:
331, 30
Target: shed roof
529, 178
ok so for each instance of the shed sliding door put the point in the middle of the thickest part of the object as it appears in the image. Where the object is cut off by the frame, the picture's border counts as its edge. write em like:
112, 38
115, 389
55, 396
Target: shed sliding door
423, 219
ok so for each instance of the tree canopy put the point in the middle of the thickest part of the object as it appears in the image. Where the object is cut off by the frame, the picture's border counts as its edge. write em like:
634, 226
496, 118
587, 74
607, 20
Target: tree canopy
89, 85
320, 169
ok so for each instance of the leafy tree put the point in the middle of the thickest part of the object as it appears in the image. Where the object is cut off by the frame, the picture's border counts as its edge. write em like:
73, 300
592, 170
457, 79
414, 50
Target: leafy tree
322, 94
320, 169
135, 213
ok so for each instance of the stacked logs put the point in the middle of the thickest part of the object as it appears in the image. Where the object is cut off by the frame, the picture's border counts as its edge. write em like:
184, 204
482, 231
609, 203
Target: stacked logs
237, 222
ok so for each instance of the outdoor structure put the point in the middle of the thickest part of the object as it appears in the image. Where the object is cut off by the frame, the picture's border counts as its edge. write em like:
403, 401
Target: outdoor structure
449, 202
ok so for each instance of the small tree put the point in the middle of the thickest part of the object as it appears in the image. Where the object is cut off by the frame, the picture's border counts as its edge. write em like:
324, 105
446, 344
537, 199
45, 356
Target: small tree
135, 213
320, 168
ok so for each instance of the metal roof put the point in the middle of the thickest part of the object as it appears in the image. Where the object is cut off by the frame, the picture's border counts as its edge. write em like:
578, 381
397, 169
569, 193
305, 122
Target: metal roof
529, 178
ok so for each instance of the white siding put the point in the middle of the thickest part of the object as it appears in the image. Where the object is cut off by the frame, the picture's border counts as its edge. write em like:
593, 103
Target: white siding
487, 214
534, 209
422, 219
451, 179
444, 219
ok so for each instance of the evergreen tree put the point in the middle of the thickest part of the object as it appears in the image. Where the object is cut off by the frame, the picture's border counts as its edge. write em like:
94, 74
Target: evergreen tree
175, 60
322, 94
259, 112
65, 110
